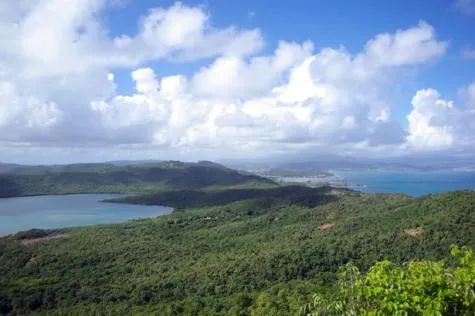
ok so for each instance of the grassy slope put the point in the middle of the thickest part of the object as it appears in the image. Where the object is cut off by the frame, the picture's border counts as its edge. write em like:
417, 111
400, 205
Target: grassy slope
131, 179
267, 254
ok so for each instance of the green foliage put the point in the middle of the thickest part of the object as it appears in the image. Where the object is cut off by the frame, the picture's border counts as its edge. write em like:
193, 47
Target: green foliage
254, 256
282, 299
181, 199
35, 233
417, 288
128, 179
5, 304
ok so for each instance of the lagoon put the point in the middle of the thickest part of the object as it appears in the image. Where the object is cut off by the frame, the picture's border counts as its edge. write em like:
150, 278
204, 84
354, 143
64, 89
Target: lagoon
58, 211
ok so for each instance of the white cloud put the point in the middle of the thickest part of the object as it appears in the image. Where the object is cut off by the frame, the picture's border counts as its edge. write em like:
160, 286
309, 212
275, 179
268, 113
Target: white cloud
176, 28
134, 118
59, 57
468, 95
61, 61
435, 123
406, 47
235, 77
284, 100
424, 132
56, 37
23, 116
186, 32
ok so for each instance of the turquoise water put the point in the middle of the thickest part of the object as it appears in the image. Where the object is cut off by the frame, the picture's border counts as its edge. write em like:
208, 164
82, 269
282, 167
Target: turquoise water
57, 211
412, 183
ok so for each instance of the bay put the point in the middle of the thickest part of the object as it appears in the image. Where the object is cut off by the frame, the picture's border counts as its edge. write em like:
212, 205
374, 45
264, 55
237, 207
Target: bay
58, 211
414, 183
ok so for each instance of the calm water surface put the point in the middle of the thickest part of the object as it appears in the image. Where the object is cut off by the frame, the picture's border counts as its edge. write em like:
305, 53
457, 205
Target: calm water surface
412, 183
56, 211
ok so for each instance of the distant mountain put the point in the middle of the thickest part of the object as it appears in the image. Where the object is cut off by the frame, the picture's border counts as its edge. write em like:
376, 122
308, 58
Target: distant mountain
132, 162
313, 164
324, 165
26, 169
6, 167
276, 172
22, 169
320, 163
128, 179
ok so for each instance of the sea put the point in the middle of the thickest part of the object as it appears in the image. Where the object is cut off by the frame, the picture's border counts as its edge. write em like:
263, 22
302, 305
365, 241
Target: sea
58, 211
414, 183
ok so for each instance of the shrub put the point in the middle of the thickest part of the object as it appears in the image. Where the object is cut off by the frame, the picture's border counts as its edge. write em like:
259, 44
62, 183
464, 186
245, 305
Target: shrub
417, 288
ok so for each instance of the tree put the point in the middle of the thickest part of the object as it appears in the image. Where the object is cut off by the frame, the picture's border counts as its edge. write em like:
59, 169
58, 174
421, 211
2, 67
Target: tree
417, 288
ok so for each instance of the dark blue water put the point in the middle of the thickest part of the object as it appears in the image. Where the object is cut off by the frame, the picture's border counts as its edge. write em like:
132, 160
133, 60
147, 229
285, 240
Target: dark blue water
57, 211
412, 183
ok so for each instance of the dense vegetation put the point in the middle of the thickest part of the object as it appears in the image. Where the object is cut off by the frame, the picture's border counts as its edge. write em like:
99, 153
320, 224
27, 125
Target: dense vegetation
5, 167
129, 179
417, 288
242, 254
180, 199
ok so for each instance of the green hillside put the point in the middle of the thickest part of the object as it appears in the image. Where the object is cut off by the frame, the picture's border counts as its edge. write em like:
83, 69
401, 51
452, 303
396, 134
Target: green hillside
129, 179
6, 167
180, 199
258, 254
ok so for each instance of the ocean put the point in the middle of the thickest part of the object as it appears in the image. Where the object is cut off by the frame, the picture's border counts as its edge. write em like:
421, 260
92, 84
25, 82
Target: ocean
409, 182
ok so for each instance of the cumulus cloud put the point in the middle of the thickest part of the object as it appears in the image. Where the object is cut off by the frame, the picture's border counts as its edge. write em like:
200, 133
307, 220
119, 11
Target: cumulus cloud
58, 56
468, 96
283, 100
57, 85
235, 77
24, 116
134, 118
406, 47
425, 125
51, 37
435, 123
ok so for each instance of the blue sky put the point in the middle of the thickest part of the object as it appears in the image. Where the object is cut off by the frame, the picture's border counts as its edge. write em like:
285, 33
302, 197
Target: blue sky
100, 79
328, 23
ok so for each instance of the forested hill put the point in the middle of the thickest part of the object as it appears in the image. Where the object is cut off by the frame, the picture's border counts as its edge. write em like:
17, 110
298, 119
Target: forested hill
6, 167
254, 256
129, 179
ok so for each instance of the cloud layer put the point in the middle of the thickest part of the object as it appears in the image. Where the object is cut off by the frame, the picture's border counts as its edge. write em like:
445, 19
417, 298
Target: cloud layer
57, 86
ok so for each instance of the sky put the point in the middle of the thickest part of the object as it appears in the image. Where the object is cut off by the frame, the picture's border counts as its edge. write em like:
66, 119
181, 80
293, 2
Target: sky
97, 80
